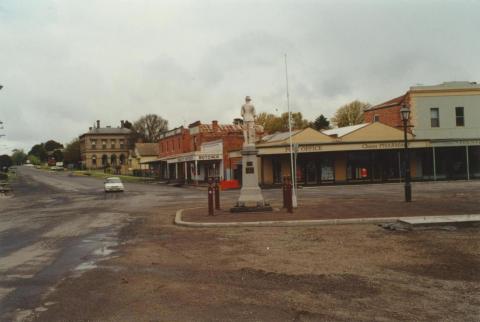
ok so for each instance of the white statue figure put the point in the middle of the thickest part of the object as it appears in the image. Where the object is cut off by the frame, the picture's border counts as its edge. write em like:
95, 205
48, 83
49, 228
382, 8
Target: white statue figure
248, 114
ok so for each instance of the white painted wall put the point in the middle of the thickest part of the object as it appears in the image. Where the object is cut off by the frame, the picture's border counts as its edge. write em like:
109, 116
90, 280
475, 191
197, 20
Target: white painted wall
446, 106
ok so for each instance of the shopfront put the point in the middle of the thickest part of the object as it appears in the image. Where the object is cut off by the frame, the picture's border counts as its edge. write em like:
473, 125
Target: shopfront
366, 153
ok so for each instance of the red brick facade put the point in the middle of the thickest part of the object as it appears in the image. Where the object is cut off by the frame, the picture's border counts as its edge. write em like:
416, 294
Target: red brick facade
387, 112
181, 140
176, 141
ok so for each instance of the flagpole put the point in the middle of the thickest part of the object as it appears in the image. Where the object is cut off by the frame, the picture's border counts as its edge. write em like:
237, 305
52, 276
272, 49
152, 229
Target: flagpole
292, 167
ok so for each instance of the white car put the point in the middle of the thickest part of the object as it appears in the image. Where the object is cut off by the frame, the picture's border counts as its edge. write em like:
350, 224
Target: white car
113, 184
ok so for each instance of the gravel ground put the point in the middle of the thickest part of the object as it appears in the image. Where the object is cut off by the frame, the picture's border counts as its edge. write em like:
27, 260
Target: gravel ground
148, 269
334, 273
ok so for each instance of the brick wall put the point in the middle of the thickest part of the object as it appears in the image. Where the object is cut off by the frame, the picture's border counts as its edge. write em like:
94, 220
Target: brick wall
388, 112
175, 144
387, 115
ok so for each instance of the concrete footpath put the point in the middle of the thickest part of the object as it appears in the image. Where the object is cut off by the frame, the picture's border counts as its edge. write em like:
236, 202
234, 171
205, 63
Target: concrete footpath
347, 221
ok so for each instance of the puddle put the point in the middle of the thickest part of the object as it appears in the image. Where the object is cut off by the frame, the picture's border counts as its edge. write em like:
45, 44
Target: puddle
86, 266
77, 257
104, 251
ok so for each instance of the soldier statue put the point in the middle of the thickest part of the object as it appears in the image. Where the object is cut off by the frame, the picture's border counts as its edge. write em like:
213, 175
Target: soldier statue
248, 114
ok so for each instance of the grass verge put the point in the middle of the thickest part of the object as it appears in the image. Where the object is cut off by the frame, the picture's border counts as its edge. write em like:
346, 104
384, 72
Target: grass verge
102, 175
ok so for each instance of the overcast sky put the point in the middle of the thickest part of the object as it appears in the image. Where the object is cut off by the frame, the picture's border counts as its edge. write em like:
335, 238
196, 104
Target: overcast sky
66, 63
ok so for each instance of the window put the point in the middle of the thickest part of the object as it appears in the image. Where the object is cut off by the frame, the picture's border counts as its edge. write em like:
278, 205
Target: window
434, 117
122, 144
113, 143
459, 116
94, 143
104, 144
376, 118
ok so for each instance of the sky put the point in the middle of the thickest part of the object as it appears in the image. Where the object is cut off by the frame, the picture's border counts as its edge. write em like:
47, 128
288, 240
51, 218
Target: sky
66, 63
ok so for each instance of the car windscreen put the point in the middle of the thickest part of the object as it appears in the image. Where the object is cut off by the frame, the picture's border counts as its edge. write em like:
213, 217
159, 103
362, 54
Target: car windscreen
113, 180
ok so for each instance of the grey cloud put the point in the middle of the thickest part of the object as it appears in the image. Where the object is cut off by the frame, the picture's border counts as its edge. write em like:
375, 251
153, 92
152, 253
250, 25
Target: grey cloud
66, 63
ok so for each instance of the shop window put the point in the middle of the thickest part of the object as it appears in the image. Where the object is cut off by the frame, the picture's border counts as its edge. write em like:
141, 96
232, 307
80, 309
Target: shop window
327, 170
459, 116
277, 171
434, 117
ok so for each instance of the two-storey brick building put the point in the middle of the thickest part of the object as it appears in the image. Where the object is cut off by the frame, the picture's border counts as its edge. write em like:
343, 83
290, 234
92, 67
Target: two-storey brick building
103, 147
200, 151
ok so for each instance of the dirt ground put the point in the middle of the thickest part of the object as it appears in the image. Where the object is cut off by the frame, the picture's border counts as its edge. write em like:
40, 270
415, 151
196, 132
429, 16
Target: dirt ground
383, 201
335, 273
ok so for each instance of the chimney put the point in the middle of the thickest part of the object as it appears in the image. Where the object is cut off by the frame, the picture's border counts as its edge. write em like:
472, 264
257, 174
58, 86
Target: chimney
122, 124
90, 128
215, 126
98, 124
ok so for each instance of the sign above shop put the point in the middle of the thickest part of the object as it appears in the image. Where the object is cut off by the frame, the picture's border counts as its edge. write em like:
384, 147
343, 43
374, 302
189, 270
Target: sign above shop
380, 146
304, 148
196, 157
456, 143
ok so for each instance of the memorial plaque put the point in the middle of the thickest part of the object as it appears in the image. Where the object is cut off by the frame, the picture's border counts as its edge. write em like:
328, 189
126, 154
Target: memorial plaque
249, 170
249, 164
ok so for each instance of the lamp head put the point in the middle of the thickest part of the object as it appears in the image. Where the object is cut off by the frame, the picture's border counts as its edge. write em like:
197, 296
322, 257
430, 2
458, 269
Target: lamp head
404, 113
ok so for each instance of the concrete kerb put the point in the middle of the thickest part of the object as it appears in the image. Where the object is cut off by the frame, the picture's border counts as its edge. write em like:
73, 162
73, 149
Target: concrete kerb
282, 223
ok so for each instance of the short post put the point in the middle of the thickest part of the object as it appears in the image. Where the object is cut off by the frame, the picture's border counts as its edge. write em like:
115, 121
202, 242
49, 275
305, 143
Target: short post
289, 195
210, 198
217, 194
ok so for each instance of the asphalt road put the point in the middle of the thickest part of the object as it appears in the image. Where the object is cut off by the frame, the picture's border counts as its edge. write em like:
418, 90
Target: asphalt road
57, 225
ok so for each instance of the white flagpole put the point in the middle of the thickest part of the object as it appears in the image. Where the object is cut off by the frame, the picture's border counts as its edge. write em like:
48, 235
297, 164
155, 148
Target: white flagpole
294, 175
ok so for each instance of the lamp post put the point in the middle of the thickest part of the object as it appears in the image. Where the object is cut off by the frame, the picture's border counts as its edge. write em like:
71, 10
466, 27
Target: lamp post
405, 115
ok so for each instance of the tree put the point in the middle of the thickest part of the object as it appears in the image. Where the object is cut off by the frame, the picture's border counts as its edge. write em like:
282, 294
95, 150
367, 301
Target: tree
18, 157
71, 153
34, 160
149, 127
52, 145
128, 125
272, 123
321, 123
350, 114
5, 162
298, 122
58, 155
39, 151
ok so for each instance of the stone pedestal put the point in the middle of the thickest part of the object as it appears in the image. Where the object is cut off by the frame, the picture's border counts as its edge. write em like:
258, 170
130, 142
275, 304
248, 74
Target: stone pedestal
251, 198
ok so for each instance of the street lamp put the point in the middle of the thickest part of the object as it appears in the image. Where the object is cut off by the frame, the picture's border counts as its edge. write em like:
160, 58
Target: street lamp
405, 115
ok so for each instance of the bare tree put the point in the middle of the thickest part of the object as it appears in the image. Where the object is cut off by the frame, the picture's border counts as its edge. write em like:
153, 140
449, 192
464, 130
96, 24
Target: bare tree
149, 127
350, 114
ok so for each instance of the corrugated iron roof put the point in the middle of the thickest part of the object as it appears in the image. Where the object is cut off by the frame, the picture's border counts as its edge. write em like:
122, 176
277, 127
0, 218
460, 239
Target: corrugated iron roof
146, 149
341, 131
393, 102
227, 128
278, 136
